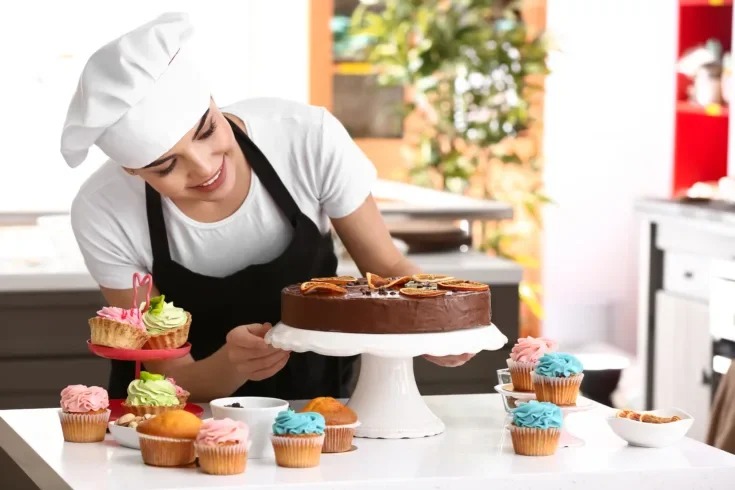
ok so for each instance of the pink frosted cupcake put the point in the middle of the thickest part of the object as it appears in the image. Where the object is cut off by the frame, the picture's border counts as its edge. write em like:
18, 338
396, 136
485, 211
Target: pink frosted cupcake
84, 413
123, 328
523, 359
119, 328
222, 447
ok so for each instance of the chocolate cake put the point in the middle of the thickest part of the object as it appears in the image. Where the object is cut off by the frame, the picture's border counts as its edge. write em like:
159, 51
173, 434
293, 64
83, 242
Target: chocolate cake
385, 306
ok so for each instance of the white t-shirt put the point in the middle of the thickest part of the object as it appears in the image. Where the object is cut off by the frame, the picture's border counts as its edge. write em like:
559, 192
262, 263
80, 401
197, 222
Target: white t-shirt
321, 166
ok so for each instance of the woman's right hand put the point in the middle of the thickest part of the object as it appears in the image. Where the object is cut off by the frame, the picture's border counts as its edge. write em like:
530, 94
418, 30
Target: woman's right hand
252, 357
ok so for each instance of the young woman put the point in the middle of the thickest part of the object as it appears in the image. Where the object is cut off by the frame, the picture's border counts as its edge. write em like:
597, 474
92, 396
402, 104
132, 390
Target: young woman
223, 206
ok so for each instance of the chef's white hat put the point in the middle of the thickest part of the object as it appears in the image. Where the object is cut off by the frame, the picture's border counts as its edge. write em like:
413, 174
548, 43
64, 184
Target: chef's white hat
137, 95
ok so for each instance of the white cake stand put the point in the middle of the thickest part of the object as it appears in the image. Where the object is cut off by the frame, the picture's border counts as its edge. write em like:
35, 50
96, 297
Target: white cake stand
386, 397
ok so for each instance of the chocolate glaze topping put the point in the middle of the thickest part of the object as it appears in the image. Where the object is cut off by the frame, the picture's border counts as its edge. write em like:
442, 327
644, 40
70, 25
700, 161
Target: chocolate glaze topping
362, 310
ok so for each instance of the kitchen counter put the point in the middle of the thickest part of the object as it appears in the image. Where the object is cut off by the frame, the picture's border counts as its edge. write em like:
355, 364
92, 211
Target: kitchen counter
395, 200
475, 452
71, 275
717, 217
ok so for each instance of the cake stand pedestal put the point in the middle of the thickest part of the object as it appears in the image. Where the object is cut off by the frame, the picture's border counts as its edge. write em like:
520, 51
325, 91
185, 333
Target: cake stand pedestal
386, 397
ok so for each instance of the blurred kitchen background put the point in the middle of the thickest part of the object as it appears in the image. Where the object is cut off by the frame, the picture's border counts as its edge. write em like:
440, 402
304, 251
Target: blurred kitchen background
573, 154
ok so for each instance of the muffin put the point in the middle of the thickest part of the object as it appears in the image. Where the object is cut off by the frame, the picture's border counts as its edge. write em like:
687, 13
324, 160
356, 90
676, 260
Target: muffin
84, 413
118, 327
557, 378
181, 394
340, 423
536, 428
151, 394
222, 447
168, 438
167, 325
298, 439
523, 359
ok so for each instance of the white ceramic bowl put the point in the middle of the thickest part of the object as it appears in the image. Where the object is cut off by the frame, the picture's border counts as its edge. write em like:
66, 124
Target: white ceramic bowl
125, 436
646, 434
258, 413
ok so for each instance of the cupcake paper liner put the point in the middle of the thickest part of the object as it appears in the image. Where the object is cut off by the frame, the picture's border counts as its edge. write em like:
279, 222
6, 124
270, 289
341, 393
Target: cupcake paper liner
520, 374
140, 410
297, 451
115, 334
227, 459
559, 391
84, 427
171, 339
338, 438
166, 451
529, 441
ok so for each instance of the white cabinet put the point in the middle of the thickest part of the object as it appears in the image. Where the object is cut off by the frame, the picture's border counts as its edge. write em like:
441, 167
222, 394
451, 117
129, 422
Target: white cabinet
683, 355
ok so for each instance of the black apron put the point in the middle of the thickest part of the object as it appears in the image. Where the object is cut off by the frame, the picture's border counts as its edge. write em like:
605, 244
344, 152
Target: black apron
252, 295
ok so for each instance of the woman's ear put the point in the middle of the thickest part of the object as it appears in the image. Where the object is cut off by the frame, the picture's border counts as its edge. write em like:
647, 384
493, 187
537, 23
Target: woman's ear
130, 171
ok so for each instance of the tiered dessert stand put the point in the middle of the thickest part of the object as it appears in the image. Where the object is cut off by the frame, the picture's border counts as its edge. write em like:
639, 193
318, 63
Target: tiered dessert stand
386, 397
140, 355
566, 438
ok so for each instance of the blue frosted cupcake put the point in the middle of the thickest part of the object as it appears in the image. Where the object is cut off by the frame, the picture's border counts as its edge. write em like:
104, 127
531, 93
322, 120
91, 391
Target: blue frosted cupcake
536, 428
557, 378
298, 439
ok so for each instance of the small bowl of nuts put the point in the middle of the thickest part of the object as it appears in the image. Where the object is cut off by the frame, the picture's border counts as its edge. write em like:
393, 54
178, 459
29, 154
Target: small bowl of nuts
123, 430
655, 428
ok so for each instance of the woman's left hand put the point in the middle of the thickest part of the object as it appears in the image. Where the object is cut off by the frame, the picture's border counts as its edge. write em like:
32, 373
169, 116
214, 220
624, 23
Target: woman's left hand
449, 361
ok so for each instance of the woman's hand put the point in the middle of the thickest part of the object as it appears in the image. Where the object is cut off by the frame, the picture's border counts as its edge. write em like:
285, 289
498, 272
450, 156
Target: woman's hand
449, 361
250, 355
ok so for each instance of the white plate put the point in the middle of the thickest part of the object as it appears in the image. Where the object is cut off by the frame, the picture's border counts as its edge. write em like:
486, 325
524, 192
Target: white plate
125, 436
646, 434
521, 396
583, 404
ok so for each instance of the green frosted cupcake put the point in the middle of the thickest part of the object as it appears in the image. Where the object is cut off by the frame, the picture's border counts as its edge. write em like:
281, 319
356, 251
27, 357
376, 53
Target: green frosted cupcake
152, 394
168, 325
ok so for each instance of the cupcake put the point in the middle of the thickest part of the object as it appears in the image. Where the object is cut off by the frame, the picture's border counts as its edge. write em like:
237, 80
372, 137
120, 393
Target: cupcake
536, 428
84, 413
557, 378
340, 423
168, 439
181, 394
123, 328
167, 325
151, 394
222, 447
298, 439
523, 359
118, 327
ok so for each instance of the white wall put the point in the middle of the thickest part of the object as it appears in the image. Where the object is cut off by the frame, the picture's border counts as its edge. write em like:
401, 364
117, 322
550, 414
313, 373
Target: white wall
250, 48
608, 140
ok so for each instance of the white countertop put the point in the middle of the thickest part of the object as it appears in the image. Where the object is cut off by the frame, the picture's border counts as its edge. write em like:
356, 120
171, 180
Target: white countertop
716, 218
475, 452
51, 274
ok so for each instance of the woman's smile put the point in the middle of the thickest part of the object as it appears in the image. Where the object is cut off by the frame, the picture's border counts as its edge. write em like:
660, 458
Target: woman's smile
215, 181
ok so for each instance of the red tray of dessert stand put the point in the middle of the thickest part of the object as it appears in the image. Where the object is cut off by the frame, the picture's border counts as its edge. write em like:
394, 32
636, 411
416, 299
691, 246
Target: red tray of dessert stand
117, 411
138, 355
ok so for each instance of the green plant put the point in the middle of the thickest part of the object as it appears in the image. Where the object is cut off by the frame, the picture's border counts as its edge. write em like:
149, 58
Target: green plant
466, 66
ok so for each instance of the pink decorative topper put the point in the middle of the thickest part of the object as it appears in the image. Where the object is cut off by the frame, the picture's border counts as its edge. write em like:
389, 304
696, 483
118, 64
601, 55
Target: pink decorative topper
138, 281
